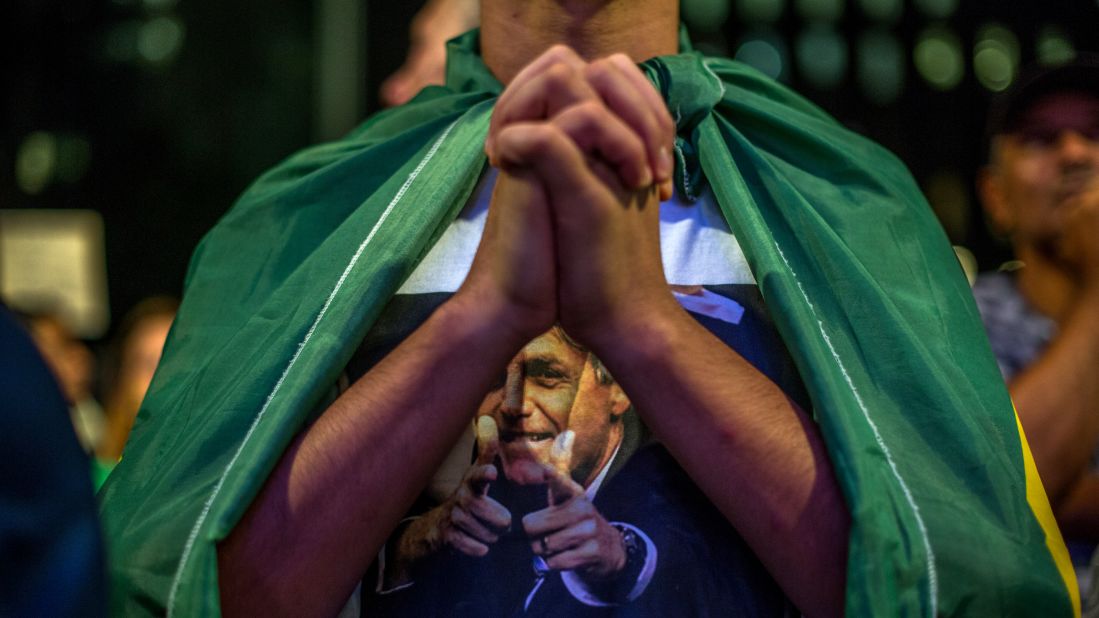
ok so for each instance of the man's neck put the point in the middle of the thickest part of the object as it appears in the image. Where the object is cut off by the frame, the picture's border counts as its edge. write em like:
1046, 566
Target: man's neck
1045, 285
515, 32
599, 474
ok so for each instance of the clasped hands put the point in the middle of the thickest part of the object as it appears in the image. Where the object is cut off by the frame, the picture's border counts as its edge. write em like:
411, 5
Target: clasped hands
572, 234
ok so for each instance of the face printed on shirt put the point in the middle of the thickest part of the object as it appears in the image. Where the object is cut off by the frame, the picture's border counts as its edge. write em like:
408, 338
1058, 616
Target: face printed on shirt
553, 385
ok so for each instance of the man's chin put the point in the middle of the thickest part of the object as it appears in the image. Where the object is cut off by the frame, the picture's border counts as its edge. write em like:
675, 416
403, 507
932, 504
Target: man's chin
525, 461
525, 471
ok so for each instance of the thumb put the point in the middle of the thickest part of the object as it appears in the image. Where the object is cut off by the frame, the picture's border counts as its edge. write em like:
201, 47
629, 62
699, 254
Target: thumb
559, 476
488, 440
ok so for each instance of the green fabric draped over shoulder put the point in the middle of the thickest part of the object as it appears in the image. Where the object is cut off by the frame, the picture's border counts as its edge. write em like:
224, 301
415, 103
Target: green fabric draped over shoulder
947, 514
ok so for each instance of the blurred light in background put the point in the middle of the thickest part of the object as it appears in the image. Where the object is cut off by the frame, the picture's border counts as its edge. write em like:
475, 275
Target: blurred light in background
885, 11
760, 11
155, 42
995, 57
45, 157
766, 52
55, 258
1054, 46
828, 11
881, 66
705, 15
36, 162
822, 56
937, 9
159, 40
938, 57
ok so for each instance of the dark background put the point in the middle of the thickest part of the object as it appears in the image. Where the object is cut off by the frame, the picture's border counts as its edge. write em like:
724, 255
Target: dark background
163, 111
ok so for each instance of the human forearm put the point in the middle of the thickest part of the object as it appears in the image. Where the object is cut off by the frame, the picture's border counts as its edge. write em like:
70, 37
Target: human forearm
345, 482
757, 456
1057, 399
1078, 511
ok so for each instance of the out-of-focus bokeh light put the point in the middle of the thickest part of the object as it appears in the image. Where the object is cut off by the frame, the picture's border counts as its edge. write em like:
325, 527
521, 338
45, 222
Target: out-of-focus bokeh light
705, 15
1054, 46
938, 58
760, 11
36, 162
822, 56
766, 52
995, 57
160, 40
881, 66
937, 9
828, 11
884, 11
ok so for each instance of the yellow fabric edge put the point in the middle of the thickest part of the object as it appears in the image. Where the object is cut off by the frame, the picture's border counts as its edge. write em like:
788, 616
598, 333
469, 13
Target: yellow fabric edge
1039, 505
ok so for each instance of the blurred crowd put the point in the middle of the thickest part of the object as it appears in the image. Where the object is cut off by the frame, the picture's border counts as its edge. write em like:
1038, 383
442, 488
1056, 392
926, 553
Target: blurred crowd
103, 388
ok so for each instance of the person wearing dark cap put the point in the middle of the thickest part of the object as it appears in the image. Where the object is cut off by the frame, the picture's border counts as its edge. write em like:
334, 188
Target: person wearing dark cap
1041, 189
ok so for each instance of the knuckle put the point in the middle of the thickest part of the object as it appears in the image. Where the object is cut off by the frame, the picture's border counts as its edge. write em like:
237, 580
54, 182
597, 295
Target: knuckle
560, 51
528, 523
587, 527
558, 75
666, 121
588, 114
597, 72
621, 60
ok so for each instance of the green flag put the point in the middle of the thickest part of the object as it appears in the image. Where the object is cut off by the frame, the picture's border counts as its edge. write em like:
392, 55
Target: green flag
948, 515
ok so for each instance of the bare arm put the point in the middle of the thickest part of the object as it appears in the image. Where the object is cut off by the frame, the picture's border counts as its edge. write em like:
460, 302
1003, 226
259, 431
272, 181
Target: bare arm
1057, 398
754, 453
436, 23
1078, 512
345, 482
349, 478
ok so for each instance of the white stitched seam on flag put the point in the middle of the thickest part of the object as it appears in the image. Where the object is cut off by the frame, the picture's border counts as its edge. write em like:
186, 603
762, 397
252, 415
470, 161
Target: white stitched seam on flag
339, 284
686, 174
710, 70
932, 575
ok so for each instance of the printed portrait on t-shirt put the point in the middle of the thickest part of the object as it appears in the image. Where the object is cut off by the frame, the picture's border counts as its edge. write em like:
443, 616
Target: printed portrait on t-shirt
559, 501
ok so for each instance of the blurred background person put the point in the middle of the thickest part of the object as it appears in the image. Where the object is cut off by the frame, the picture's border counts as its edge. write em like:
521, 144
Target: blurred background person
73, 365
129, 369
436, 23
51, 559
1041, 190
